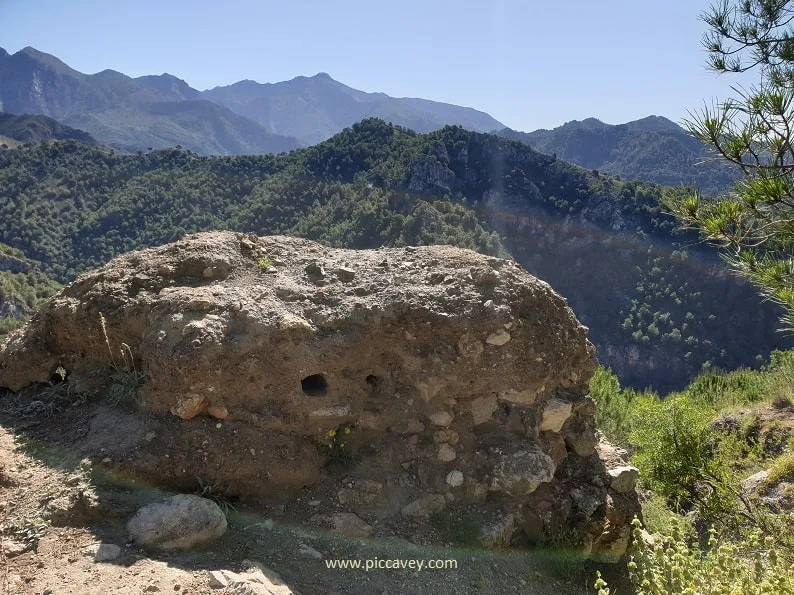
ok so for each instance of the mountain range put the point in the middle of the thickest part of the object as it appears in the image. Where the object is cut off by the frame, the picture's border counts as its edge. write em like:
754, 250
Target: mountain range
315, 108
162, 111
247, 117
124, 113
654, 149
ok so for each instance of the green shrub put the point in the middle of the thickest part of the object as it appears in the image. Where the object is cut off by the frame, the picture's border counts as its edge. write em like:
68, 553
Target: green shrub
677, 565
718, 390
678, 455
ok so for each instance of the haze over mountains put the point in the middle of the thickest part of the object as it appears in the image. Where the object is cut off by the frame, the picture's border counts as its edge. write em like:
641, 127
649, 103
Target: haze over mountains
124, 113
313, 109
31, 129
243, 118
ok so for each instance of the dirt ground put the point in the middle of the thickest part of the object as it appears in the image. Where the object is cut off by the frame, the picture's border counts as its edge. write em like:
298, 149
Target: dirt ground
55, 507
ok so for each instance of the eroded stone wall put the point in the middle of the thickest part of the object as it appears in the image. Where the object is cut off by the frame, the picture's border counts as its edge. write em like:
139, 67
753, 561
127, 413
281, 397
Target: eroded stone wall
450, 379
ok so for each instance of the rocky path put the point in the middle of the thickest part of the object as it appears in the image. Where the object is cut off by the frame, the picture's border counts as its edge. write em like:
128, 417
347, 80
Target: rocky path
50, 545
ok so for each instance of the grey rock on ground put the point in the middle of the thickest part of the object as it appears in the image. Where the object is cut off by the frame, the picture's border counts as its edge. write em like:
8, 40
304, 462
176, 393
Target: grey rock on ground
256, 580
183, 521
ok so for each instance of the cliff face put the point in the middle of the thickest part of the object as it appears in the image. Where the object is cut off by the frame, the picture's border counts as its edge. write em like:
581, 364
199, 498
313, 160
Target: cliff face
452, 380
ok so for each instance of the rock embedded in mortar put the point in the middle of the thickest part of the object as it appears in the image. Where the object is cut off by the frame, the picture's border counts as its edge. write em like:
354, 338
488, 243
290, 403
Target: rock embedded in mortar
482, 408
498, 338
623, 479
555, 413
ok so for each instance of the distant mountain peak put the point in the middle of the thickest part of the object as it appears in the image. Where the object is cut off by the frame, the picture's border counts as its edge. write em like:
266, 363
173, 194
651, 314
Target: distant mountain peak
322, 76
174, 87
656, 124
45, 59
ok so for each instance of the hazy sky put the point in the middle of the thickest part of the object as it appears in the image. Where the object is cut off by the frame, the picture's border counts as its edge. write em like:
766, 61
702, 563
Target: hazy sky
529, 63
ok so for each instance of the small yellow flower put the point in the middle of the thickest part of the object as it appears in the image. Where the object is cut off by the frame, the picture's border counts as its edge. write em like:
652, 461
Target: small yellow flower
331, 433
347, 430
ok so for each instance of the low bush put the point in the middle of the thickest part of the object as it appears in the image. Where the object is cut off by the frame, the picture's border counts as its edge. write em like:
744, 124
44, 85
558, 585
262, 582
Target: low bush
676, 564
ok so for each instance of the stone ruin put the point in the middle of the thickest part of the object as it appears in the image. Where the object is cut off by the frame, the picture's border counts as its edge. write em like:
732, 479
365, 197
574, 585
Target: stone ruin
445, 379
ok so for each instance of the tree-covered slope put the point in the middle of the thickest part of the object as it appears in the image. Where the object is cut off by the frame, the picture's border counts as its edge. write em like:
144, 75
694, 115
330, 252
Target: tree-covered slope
22, 288
31, 128
656, 310
652, 149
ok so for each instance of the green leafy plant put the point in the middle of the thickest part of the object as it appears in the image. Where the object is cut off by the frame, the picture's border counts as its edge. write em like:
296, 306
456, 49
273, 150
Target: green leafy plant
124, 386
782, 469
613, 404
125, 380
678, 565
678, 456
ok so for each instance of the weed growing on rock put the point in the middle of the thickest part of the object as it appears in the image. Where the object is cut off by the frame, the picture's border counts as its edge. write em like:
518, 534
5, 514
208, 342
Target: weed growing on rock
124, 387
264, 263
124, 350
337, 452
29, 532
217, 494
124, 381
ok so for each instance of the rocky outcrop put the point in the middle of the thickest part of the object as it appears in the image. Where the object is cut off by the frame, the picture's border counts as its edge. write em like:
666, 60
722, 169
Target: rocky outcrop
444, 380
13, 264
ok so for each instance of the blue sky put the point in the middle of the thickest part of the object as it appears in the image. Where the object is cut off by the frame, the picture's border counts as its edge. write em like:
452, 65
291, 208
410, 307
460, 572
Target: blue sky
529, 63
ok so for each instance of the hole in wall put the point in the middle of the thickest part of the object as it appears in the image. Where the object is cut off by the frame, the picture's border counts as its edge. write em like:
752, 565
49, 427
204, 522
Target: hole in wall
373, 380
315, 385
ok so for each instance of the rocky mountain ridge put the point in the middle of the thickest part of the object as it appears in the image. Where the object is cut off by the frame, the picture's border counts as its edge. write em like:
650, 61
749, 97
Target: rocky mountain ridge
124, 112
160, 111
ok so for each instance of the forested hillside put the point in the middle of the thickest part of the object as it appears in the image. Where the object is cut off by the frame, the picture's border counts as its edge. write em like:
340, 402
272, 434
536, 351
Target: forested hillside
22, 288
657, 311
30, 128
